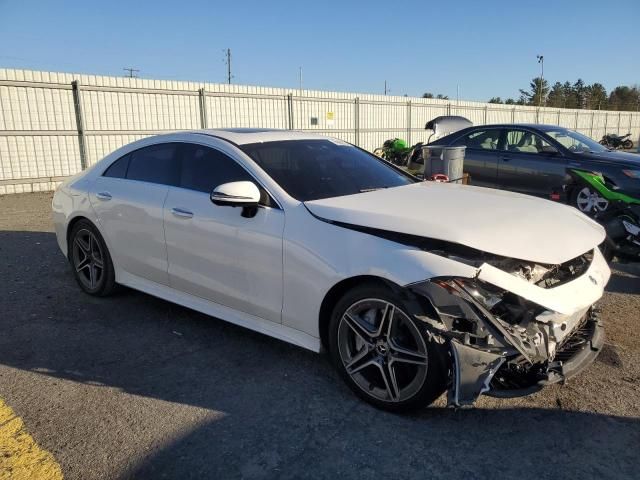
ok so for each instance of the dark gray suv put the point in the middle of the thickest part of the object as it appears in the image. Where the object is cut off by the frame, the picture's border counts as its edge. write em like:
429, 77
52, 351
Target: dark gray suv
534, 159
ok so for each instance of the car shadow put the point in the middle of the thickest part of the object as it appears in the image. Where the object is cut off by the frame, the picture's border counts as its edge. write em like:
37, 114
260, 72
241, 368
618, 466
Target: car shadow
283, 410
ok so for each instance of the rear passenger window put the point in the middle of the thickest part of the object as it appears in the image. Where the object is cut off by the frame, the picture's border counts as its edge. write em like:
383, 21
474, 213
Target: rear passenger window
204, 168
154, 164
118, 169
480, 139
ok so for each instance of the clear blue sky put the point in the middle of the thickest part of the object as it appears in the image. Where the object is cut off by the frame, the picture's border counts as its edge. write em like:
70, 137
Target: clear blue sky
487, 47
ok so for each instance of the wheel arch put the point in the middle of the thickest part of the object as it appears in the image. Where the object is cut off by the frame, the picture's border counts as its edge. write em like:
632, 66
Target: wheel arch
70, 226
336, 292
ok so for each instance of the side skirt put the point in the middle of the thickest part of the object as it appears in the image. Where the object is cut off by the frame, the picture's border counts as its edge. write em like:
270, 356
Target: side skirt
275, 330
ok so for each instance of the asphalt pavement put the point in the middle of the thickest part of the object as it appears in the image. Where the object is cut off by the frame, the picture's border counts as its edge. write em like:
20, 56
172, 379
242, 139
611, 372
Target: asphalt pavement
134, 387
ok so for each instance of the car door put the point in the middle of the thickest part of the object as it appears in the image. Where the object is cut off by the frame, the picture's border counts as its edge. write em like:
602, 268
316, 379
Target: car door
215, 252
128, 199
481, 155
529, 164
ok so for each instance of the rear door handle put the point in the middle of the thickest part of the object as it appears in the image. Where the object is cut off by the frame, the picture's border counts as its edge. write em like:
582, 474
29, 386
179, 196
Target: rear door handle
103, 196
181, 212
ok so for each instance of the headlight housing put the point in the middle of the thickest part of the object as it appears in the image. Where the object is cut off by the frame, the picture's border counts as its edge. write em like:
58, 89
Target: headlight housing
500, 304
480, 292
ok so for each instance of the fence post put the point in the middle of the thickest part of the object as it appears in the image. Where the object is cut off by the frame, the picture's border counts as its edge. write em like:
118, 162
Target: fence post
202, 96
538, 115
356, 120
559, 111
593, 114
409, 122
576, 125
77, 106
513, 115
619, 121
290, 109
606, 121
448, 109
486, 109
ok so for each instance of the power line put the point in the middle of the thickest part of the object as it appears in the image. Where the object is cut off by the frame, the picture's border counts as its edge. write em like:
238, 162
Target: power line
132, 72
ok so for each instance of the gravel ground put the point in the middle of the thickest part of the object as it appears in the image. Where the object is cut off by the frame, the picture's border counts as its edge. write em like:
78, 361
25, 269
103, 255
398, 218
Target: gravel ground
135, 387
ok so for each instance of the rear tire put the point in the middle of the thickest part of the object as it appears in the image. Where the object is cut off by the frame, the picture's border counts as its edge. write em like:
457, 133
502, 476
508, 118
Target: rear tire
382, 353
627, 144
90, 260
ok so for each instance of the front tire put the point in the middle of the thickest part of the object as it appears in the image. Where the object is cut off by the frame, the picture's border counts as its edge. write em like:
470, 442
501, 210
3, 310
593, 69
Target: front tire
90, 260
382, 353
587, 200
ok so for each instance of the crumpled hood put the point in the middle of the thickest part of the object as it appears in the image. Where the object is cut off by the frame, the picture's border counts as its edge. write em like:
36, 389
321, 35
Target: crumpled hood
494, 221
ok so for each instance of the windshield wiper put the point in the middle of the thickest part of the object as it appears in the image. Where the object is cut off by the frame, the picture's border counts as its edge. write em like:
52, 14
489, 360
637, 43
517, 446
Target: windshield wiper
372, 189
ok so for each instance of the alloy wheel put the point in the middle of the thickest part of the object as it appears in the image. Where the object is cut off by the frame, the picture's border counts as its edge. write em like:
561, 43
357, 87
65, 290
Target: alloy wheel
88, 259
587, 200
382, 350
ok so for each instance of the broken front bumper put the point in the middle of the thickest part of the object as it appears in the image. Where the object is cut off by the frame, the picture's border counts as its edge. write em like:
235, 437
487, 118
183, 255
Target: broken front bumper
559, 334
477, 374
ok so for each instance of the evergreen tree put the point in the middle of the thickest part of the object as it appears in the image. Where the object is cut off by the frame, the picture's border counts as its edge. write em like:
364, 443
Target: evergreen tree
537, 94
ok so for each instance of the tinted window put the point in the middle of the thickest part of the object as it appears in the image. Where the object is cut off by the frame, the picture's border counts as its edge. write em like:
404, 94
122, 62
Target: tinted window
521, 141
480, 139
204, 168
314, 169
118, 169
154, 164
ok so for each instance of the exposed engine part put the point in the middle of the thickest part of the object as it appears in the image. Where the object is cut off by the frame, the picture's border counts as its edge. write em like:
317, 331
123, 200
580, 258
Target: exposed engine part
502, 344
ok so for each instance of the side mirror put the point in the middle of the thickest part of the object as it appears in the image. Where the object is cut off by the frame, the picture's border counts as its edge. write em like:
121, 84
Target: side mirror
550, 150
236, 194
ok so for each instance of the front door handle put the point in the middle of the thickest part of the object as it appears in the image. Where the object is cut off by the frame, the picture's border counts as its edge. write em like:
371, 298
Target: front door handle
505, 158
103, 196
181, 212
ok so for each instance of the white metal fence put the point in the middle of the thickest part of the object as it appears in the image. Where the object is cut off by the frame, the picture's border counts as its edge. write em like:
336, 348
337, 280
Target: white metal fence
52, 125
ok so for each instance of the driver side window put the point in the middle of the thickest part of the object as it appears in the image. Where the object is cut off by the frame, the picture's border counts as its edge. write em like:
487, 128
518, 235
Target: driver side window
204, 168
522, 141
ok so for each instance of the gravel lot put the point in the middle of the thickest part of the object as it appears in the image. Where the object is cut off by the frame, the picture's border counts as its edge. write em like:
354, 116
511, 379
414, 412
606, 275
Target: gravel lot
135, 387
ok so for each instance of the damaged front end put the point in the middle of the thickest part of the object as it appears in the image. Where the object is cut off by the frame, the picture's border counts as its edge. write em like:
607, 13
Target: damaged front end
515, 326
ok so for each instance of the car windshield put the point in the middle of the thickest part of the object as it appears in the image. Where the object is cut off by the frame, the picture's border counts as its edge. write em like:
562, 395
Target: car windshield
315, 169
574, 141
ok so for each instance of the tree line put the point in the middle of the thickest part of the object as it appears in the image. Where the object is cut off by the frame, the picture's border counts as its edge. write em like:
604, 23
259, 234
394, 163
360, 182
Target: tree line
577, 95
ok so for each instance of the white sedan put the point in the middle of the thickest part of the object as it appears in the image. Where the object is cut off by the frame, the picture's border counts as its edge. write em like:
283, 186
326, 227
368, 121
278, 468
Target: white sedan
412, 287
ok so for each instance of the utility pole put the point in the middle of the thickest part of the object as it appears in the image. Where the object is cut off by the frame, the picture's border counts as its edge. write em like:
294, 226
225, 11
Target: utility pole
541, 62
228, 66
457, 94
386, 90
132, 72
300, 78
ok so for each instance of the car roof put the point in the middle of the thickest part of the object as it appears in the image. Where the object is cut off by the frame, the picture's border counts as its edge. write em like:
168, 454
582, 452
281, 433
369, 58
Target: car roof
535, 126
243, 136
